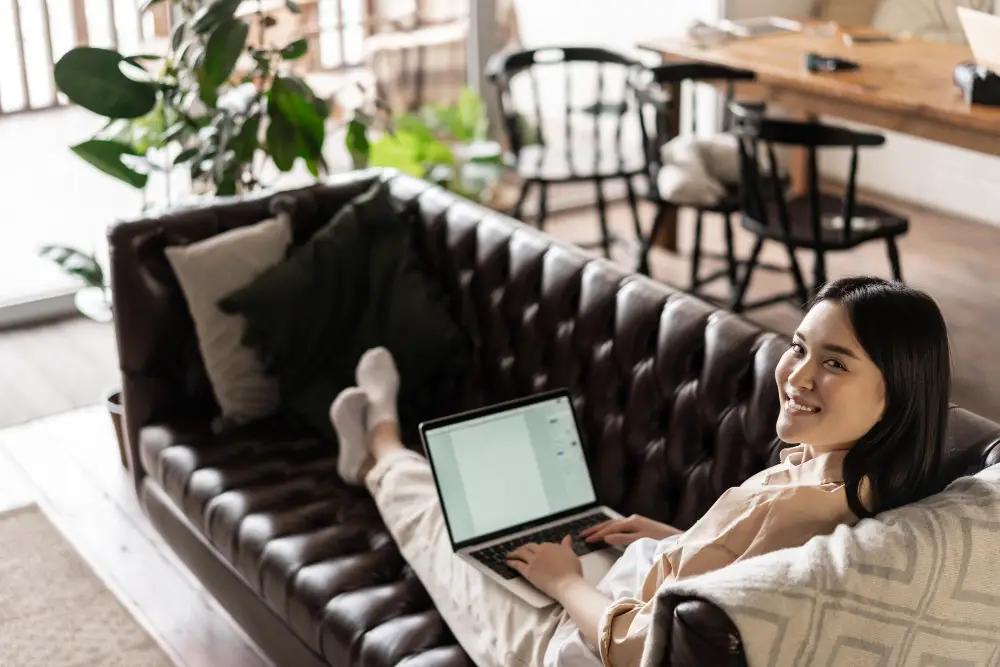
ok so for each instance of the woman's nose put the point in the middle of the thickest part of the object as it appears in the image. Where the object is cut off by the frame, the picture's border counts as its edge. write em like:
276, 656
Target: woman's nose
801, 376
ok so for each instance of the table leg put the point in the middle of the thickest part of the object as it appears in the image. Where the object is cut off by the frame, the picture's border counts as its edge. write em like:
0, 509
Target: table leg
666, 237
798, 162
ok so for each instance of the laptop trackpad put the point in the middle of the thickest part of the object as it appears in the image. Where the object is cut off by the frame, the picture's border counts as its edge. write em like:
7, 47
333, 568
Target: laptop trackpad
596, 564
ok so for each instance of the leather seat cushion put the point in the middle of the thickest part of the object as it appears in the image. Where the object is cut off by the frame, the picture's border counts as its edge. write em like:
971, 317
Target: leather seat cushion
313, 548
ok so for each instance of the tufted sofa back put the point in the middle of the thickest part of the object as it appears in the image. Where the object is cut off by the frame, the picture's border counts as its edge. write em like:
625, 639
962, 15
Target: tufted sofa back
676, 398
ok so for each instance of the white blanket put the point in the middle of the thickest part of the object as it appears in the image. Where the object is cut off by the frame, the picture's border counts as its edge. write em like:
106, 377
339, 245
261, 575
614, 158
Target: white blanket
917, 586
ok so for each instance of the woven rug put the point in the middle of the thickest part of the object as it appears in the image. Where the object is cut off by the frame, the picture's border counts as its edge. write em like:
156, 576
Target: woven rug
54, 611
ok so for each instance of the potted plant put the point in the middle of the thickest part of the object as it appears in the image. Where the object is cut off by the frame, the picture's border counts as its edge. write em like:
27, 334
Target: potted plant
444, 143
212, 104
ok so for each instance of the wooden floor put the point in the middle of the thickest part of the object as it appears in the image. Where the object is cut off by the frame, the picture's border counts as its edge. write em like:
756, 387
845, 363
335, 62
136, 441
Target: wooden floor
54, 368
69, 466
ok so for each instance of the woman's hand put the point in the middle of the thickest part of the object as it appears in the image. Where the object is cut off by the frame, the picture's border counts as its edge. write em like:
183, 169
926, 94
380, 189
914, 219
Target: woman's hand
549, 567
621, 532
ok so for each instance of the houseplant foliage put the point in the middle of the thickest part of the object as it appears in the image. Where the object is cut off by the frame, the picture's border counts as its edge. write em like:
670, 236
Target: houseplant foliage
212, 104
443, 143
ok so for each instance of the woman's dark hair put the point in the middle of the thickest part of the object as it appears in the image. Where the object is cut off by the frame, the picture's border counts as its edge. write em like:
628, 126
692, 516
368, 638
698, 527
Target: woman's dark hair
903, 332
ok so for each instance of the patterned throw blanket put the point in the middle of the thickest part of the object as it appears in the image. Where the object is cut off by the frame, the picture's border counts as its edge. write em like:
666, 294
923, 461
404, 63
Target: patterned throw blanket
918, 586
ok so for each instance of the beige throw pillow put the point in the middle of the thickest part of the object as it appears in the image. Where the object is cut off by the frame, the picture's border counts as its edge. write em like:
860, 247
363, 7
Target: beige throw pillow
215, 268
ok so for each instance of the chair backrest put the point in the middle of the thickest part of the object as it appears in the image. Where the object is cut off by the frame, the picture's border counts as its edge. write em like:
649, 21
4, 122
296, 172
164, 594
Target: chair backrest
570, 95
764, 191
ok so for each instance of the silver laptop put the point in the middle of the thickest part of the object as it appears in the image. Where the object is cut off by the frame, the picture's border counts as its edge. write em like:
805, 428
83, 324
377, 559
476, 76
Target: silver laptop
515, 473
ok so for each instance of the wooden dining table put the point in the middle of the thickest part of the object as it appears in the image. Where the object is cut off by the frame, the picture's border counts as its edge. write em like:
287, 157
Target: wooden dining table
906, 85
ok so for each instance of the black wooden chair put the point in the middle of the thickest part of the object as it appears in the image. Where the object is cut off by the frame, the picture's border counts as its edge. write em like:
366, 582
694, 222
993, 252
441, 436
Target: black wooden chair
812, 220
655, 101
580, 142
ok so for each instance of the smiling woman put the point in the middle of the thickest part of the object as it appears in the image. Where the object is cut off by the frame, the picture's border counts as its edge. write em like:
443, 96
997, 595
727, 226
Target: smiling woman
869, 371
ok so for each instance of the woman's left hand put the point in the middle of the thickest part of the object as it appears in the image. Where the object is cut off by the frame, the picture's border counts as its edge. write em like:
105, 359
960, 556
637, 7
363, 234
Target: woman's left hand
547, 566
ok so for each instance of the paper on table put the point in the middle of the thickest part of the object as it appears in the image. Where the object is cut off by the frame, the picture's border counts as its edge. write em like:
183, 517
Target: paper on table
983, 32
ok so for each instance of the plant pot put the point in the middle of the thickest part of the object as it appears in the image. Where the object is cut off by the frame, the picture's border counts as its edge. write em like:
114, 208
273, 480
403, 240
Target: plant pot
114, 403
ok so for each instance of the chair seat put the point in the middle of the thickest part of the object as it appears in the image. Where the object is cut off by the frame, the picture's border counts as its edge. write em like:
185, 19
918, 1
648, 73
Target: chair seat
729, 203
554, 163
869, 222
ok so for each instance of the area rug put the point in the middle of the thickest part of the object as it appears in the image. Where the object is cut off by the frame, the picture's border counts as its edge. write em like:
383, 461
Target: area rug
55, 611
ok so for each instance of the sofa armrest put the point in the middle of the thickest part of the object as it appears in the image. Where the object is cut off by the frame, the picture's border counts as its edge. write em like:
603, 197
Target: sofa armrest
700, 634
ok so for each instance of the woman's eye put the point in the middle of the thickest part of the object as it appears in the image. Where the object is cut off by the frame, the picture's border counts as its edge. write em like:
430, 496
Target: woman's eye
798, 349
836, 365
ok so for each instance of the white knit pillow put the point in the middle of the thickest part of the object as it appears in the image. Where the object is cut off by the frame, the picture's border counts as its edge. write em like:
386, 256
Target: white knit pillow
215, 268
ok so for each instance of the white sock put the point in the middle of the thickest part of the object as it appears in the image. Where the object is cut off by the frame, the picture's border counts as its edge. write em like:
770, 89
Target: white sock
378, 377
348, 414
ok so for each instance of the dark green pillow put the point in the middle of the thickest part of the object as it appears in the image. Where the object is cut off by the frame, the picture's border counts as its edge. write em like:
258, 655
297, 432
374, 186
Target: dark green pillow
356, 284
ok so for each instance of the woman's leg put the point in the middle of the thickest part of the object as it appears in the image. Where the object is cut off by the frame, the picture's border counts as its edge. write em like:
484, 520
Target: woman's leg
493, 626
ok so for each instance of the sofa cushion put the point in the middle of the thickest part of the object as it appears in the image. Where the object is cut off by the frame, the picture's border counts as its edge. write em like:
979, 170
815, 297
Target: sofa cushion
314, 549
356, 284
209, 270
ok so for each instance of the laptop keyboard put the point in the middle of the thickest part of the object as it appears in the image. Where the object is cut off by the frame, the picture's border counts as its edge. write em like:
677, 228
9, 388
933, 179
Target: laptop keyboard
495, 557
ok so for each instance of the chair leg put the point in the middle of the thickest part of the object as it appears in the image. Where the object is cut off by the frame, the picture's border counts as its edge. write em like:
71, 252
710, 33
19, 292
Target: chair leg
696, 250
819, 270
634, 205
897, 271
801, 291
519, 206
736, 305
730, 252
602, 211
543, 204
647, 242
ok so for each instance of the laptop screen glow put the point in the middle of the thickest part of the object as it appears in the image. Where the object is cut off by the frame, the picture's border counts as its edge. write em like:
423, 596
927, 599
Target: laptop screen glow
502, 470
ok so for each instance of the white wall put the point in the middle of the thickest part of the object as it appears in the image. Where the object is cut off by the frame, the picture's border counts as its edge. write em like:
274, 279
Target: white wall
948, 179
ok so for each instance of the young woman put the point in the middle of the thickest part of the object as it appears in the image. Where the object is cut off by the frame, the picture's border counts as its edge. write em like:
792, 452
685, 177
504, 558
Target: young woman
864, 399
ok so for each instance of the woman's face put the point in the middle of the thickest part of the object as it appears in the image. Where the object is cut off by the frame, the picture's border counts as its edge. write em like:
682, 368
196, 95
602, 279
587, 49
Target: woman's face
831, 392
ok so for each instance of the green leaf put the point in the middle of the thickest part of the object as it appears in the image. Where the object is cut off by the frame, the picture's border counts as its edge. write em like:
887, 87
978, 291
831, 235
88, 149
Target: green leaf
93, 78
472, 116
106, 155
76, 263
292, 98
281, 140
214, 14
389, 151
177, 36
313, 167
245, 143
207, 90
357, 141
293, 6
185, 155
295, 50
175, 131
224, 49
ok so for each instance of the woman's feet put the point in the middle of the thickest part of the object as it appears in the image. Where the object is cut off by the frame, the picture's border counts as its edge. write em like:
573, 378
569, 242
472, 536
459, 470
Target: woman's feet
378, 378
348, 414
365, 416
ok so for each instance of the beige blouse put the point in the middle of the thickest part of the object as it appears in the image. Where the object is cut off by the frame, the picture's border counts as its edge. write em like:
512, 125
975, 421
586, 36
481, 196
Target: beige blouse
777, 508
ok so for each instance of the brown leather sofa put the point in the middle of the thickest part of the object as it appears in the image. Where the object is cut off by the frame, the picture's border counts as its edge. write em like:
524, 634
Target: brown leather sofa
677, 400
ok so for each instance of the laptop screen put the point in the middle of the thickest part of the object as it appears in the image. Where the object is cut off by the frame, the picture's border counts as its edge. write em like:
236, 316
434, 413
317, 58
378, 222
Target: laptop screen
509, 468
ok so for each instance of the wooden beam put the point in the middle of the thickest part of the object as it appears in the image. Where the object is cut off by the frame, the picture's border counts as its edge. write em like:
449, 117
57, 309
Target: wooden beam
80, 30
47, 37
19, 43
